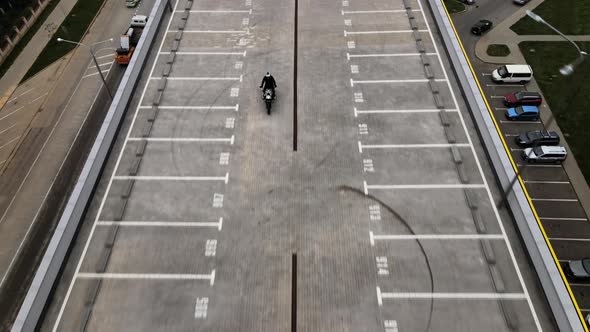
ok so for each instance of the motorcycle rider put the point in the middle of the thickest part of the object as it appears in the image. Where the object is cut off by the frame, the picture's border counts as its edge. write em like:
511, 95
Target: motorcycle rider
268, 82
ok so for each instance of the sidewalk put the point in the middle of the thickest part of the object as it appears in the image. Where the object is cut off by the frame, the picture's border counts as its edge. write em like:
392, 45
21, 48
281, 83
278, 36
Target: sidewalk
12, 77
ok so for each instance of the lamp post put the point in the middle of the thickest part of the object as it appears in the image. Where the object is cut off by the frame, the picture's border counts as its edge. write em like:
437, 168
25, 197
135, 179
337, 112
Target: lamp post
93, 58
569, 68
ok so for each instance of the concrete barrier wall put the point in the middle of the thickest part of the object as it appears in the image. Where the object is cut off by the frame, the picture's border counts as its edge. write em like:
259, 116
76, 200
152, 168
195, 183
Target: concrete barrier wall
557, 294
54, 257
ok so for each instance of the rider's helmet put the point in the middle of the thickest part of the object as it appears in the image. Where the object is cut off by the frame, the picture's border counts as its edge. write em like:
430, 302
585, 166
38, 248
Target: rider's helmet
267, 74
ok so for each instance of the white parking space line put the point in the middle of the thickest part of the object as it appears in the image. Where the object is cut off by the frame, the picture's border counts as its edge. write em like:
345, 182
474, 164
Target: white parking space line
353, 82
196, 108
519, 122
554, 199
11, 113
455, 296
219, 11
564, 219
412, 146
432, 110
382, 32
384, 55
100, 65
497, 97
374, 237
547, 182
8, 128
368, 187
500, 108
568, 239
238, 32
217, 225
347, 12
199, 78
172, 178
537, 165
207, 53
184, 139
148, 276
506, 85
9, 142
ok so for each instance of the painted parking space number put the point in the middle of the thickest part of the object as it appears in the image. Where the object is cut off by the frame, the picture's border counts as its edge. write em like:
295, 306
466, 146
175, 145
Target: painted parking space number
363, 129
210, 247
382, 268
217, 200
368, 165
390, 326
374, 213
229, 122
224, 158
201, 307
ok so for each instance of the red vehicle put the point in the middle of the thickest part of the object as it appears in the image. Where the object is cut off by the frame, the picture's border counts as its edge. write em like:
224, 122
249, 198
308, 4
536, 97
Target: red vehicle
523, 98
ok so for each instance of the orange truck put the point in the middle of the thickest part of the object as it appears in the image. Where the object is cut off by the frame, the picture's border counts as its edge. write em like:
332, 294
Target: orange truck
129, 39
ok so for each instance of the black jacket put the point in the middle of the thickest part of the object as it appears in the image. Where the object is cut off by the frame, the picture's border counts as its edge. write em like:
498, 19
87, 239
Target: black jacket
268, 82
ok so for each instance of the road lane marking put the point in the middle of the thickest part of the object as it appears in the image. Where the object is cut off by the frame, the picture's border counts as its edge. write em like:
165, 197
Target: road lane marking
147, 276
382, 32
353, 82
11, 113
218, 224
22, 94
9, 142
400, 111
455, 296
183, 139
172, 178
555, 199
110, 182
93, 74
207, 53
100, 65
205, 108
413, 146
8, 128
104, 56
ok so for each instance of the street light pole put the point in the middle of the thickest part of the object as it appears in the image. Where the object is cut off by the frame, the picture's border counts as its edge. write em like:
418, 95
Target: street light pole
569, 68
104, 82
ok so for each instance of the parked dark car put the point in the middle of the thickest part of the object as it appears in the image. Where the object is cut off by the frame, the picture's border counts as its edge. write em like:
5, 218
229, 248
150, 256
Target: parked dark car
577, 269
523, 98
481, 27
537, 138
523, 113
521, 2
469, 2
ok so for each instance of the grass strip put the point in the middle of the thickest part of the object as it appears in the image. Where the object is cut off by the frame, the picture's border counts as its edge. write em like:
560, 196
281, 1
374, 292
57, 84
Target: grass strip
567, 96
454, 6
27, 37
498, 50
571, 17
72, 28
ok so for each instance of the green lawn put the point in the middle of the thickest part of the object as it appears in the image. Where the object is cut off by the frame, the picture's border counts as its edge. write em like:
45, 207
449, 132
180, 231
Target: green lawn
498, 50
567, 96
454, 6
572, 17
72, 28
27, 37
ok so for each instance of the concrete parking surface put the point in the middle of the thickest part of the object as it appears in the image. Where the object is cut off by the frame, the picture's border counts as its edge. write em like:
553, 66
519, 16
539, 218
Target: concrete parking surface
382, 220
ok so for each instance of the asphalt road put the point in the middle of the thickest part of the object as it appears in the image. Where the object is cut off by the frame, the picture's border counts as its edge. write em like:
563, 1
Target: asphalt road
559, 209
382, 220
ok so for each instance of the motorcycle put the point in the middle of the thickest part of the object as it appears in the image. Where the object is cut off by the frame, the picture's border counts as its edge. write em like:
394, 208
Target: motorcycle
268, 97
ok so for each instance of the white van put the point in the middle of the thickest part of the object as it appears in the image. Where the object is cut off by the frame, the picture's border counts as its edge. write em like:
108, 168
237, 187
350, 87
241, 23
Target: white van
513, 74
138, 21
547, 154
